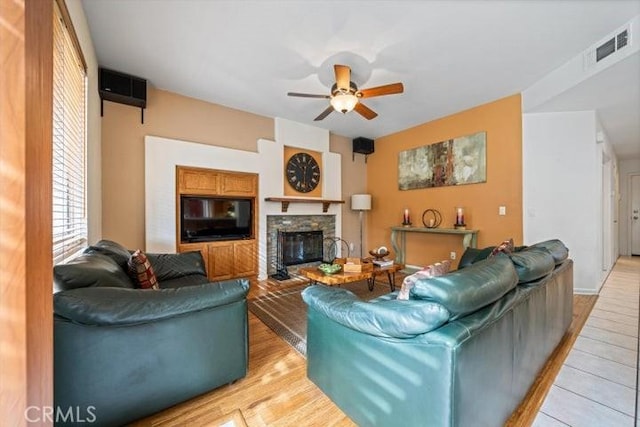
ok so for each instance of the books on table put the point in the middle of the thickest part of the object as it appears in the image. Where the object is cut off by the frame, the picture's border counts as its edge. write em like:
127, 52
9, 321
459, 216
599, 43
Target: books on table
383, 262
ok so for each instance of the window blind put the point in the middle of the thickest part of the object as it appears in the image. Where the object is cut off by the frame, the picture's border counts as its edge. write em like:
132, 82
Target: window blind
69, 145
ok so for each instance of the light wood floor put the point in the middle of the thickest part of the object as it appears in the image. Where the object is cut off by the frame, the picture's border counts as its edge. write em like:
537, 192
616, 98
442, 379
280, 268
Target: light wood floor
276, 391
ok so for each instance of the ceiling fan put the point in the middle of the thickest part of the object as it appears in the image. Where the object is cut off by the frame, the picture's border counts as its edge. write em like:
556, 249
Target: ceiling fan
345, 95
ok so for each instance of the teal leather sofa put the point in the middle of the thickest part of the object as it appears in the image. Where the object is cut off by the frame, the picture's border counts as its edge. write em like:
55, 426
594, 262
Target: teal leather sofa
462, 351
122, 353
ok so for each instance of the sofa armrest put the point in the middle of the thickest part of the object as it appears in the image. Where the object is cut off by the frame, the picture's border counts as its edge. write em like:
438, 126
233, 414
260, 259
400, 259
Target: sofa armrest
119, 306
383, 318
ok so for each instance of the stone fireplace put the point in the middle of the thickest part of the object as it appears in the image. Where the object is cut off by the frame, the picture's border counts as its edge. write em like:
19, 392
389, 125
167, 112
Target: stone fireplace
296, 232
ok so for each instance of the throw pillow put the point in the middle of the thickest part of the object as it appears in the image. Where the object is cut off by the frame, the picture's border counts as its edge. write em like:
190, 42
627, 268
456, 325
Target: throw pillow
506, 247
141, 271
433, 270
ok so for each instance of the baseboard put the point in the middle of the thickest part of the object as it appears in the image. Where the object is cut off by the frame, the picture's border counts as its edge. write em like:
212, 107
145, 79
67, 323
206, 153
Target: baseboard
583, 291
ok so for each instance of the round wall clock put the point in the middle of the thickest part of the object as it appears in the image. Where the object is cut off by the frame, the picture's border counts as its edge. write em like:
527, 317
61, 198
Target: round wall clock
303, 172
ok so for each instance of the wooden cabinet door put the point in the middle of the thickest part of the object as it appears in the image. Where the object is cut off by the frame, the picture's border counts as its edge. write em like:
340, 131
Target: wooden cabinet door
196, 181
244, 258
238, 184
221, 261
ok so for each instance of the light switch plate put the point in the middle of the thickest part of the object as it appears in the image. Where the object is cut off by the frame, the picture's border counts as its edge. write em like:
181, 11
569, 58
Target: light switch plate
502, 210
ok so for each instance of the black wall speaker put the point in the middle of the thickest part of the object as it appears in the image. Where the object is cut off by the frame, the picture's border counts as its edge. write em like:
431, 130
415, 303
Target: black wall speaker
363, 146
122, 88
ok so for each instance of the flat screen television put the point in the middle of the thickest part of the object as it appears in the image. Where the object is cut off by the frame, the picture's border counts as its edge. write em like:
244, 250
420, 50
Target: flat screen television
207, 219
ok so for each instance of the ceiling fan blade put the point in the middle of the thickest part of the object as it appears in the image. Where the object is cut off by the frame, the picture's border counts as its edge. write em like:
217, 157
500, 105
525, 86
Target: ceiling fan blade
324, 114
343, 76
389, 89
308, 95
365, 111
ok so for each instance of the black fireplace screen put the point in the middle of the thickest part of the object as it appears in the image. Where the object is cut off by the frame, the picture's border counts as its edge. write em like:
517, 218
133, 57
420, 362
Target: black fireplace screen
299, 247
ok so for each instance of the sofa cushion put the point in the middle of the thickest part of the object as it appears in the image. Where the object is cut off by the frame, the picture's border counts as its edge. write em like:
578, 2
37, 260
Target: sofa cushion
558, 250
90, 270
180, 282
466, 290
174, 266
473, 255
383, 318
433, 270
113, 250
141, 271
532, 264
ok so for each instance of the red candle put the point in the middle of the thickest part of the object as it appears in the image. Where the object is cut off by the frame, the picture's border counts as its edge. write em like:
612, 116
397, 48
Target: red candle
459, 216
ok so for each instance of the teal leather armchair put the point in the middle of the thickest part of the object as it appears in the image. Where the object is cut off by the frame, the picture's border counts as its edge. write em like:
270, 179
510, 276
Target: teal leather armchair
122, 353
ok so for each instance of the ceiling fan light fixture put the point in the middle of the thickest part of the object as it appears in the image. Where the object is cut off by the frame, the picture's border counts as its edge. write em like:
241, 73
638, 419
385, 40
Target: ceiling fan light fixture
344, 102
345, 95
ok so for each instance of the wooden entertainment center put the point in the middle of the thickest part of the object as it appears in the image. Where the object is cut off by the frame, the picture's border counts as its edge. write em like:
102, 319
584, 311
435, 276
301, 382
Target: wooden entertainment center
224, 259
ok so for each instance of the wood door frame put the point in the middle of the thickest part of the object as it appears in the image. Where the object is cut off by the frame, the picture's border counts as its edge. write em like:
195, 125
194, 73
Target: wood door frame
26, 330
629, 212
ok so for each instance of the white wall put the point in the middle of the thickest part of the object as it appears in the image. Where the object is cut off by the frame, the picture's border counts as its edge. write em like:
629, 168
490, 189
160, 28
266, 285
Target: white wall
562, 187
94, 122
163, 154
574, 71
627, 168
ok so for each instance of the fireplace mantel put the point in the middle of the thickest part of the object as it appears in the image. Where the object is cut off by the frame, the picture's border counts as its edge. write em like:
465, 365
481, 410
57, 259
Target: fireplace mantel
286, 200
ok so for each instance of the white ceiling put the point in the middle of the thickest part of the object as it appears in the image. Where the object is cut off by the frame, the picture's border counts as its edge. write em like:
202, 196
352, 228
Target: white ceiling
450, 55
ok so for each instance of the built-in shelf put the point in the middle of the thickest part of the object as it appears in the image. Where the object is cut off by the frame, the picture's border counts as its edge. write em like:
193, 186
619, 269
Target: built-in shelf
286, 200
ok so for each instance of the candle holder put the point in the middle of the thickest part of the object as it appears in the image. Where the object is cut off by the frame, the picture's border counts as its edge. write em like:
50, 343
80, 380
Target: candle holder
431, 218
459, 224
406, 219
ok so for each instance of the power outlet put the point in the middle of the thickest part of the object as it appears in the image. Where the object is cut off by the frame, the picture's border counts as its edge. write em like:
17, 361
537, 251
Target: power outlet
502, 210
452, 255
352, 247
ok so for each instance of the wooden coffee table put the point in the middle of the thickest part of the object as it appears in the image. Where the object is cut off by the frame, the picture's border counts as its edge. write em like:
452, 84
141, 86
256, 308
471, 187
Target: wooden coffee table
391, 275
317, 276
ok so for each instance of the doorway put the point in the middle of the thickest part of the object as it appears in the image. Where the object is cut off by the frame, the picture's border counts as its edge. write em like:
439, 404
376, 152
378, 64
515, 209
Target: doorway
608, 257
634, 226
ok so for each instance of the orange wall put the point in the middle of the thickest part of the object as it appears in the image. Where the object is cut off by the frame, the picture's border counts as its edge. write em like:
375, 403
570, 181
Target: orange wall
167, 115
354, 181
502, 121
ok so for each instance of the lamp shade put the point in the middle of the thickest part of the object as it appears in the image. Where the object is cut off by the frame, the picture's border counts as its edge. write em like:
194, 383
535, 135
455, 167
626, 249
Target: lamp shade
361, 202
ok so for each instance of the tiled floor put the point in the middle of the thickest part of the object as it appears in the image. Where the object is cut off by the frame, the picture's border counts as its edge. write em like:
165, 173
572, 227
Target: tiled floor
597, 383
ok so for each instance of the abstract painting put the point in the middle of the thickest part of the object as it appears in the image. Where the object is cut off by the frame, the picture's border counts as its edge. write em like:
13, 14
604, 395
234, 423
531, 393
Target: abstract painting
456, 161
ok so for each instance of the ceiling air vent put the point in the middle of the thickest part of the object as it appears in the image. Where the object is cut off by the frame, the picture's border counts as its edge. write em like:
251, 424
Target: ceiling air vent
611, 45
622, 39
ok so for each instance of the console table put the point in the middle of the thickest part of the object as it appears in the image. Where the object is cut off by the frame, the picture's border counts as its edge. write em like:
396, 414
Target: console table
399, 238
